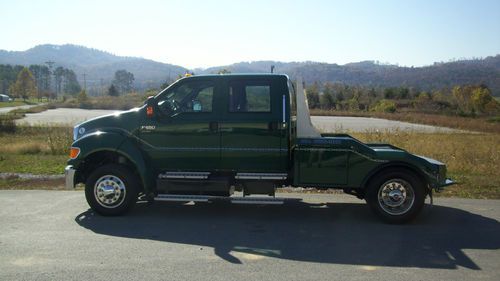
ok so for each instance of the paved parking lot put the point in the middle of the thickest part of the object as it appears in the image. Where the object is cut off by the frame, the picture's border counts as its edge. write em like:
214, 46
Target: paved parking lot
51, 235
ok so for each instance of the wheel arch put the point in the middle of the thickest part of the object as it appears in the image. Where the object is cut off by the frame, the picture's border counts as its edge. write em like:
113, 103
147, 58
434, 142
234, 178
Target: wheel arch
112, 148
392, 166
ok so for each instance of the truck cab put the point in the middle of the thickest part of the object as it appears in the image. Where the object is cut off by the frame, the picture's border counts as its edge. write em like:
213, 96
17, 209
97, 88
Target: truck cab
207, 136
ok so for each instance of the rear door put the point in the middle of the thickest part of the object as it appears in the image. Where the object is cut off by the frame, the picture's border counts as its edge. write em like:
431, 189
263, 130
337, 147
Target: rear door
252, 131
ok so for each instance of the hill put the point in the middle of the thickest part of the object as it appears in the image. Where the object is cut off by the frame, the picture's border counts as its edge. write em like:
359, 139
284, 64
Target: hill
100, 66
95, 64
369, 73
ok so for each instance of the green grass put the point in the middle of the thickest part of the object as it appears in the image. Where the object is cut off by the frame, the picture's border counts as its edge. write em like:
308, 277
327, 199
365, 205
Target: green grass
472, 159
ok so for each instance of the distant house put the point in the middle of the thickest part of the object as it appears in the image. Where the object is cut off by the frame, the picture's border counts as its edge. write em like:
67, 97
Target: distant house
4, 98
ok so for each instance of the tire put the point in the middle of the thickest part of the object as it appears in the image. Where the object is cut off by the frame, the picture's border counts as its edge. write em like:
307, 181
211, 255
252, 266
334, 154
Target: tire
112, 190
396, 196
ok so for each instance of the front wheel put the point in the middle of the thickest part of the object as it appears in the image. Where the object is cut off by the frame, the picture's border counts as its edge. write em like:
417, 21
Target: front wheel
397, 196
111, 190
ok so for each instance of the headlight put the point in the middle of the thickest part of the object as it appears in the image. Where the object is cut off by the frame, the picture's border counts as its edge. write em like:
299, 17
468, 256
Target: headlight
78, 131
75, 133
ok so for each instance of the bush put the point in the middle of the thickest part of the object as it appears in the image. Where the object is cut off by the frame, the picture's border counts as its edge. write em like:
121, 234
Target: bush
386, 106
7, 124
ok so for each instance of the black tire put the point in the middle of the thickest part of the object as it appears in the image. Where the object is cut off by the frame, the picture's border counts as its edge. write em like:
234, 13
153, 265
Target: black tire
112, 190
396, 196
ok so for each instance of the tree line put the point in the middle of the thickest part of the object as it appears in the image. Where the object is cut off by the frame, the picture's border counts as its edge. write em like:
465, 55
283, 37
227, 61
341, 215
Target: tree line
469, 100
37, 81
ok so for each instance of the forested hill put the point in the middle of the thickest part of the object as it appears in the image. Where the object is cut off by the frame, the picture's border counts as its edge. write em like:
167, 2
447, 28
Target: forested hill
368, 73
95, 64
99, 65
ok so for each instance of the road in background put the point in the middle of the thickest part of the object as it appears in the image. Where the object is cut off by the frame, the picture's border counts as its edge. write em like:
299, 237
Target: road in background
4, 110
72, 116
51, 235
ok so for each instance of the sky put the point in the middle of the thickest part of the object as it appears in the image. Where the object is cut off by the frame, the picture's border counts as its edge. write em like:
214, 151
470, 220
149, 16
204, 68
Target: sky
213, 33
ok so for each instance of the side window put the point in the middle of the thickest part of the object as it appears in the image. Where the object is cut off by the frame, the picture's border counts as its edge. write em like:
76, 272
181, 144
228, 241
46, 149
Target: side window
196, 96
249, 97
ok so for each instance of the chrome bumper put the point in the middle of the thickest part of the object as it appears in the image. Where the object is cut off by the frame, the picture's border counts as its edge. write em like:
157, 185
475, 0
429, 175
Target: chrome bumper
69, 174
446, 183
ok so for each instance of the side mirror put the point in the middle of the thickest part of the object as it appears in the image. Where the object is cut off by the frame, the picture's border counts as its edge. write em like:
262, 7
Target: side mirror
150, 107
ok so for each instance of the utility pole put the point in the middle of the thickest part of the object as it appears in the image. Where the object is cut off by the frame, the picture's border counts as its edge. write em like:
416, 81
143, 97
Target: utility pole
84, 81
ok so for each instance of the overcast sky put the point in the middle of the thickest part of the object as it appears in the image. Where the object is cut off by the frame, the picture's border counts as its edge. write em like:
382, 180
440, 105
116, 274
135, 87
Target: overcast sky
209, 33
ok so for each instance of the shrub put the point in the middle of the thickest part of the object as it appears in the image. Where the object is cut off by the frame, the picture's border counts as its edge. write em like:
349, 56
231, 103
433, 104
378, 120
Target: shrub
384, 106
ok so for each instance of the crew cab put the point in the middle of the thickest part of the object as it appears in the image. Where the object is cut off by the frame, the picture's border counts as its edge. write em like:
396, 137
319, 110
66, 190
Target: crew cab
205, 137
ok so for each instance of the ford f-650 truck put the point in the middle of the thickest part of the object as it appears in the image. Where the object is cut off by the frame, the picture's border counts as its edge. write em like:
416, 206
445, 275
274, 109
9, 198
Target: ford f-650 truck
206, 136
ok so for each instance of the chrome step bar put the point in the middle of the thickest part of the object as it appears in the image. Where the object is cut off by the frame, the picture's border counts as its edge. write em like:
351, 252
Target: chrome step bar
184, 175
261, 176
235, 200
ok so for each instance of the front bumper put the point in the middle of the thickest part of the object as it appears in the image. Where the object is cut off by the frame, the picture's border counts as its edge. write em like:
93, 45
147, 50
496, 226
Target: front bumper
446, 183
69, 174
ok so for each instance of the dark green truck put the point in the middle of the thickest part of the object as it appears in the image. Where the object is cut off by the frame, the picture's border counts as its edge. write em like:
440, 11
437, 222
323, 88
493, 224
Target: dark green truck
206, 136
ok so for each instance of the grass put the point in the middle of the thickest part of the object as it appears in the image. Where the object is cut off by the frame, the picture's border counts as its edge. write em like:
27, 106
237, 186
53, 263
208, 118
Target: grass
478, 124
472, 159
123, 102
17, 103
36, 150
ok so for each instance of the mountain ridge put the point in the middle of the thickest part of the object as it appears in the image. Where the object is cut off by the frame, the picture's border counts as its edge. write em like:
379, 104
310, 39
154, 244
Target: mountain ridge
99, 67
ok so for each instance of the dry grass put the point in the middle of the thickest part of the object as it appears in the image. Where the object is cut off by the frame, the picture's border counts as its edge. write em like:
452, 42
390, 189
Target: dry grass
478, 124
472, 159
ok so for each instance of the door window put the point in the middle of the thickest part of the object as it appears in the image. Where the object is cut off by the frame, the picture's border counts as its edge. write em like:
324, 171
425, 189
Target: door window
249, 97
196, 96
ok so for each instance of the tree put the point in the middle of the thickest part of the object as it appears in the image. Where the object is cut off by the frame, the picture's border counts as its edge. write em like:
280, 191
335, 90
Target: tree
481, 96
71, 85
58, 77
313, 96
123, 81
82, 97
112, 91
25, 86
223, 71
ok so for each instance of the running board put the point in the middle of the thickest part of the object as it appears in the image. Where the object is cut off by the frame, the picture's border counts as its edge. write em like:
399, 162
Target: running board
234, 200
261, 176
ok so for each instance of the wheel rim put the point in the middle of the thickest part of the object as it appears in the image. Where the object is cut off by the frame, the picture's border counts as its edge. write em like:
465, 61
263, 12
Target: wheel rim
109, 191
396, 196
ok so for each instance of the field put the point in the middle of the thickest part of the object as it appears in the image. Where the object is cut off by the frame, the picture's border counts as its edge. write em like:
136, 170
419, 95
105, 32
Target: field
472, 159
478, 124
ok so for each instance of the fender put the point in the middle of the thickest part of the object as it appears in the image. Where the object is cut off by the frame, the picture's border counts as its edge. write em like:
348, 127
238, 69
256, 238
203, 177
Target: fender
392, 164
115, 142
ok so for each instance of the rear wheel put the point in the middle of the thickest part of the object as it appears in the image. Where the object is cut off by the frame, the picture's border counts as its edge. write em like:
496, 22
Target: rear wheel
111, 190
396, 196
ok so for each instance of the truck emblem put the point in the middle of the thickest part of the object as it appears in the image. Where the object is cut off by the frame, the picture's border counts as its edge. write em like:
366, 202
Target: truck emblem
148, 128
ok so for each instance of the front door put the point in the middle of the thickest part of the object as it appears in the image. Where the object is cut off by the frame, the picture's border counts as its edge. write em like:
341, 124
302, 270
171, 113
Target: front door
184, 135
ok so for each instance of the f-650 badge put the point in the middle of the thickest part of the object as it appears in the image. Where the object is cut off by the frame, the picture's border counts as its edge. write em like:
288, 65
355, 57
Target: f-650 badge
148, 128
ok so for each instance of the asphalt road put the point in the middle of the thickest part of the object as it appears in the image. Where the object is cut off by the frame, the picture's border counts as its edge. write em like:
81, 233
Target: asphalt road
72, 116
51, 235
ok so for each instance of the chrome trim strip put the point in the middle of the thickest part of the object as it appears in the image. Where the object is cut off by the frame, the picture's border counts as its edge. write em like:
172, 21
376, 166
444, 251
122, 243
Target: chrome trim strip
261, 176
184, 175
343, 150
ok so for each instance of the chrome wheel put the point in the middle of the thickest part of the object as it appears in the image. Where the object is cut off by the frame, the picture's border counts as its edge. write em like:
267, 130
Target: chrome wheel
396, 196
109, 191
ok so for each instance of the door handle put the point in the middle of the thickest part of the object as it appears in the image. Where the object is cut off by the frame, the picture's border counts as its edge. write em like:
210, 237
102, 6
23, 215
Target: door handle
214, 126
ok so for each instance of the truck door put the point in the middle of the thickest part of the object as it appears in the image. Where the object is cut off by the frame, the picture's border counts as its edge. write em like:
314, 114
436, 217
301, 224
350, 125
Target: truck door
184, 135
252, 132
